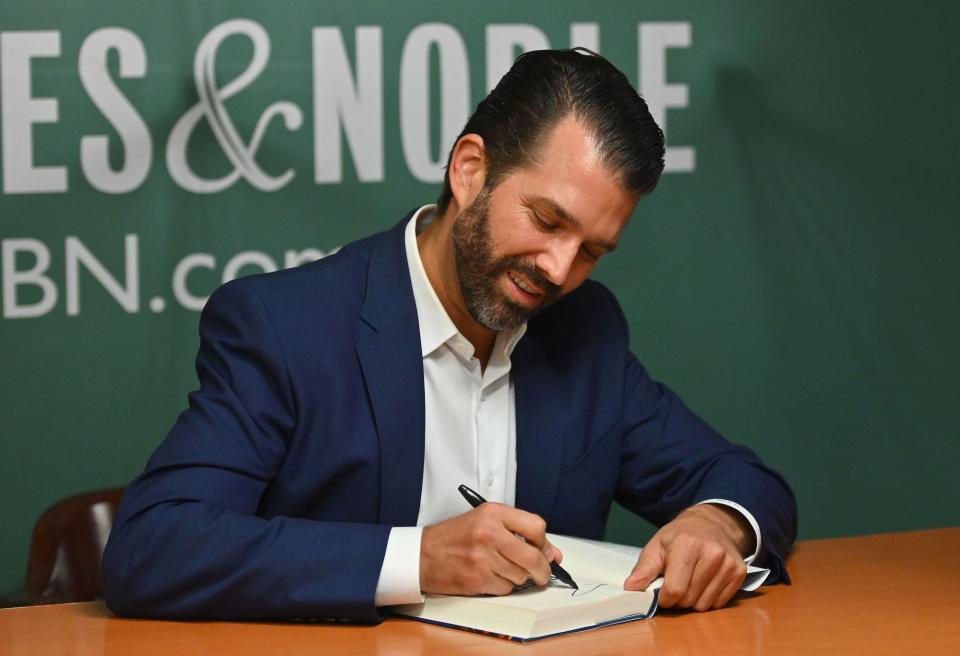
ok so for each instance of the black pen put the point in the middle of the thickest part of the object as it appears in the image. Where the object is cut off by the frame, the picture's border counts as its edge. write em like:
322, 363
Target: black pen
475, 500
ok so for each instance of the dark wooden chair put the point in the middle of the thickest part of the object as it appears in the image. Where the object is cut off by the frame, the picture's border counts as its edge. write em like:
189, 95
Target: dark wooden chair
65, 551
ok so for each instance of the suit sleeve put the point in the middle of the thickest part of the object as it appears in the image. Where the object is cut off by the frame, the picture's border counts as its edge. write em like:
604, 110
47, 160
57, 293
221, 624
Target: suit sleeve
187, 541
671, 459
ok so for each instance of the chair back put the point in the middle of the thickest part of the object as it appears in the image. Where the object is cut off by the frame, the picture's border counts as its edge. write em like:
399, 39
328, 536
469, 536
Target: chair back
66, 549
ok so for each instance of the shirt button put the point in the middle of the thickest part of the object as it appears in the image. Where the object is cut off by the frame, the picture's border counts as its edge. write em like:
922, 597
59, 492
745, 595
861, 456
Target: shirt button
489, 480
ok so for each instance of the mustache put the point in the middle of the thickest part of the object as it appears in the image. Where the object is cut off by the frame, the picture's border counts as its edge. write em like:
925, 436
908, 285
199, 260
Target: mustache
528, 269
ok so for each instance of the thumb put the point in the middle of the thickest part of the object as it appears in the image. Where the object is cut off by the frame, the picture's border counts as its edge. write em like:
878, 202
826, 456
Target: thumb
649, 566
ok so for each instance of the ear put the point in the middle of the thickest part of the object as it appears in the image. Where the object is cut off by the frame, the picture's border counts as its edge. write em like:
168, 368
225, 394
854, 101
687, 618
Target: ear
468, 169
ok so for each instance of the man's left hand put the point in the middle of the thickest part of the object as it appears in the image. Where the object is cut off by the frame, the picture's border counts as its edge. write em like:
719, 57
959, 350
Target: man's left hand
700, 554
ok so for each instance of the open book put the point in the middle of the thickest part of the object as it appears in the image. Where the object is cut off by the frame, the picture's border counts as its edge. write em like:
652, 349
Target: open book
529, 613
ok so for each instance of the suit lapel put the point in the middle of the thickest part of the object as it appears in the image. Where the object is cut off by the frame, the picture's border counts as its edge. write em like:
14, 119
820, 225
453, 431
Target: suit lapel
539, 428
393, 372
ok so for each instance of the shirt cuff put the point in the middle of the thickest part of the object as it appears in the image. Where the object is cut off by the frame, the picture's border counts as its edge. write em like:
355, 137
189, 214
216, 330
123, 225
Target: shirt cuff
750, 519
399, 581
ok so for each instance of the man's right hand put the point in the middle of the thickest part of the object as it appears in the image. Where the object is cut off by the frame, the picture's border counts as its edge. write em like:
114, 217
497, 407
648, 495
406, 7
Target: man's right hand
479, 552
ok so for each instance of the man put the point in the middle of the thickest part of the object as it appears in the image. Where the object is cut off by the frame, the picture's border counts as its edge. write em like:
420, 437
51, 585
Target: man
340, 404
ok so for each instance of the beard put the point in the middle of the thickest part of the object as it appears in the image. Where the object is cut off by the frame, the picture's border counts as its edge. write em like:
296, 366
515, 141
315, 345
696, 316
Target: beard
478, 271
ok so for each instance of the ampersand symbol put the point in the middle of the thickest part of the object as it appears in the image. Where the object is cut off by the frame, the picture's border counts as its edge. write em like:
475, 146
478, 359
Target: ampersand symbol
211, 107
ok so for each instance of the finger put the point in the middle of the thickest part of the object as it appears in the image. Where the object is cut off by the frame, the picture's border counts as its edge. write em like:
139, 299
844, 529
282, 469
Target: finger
510, 571
525, 556
649, 566
531, 527
709, 565
678, 569
499, 586
731, 588
709, 594
552, 553
496, 528
727, 574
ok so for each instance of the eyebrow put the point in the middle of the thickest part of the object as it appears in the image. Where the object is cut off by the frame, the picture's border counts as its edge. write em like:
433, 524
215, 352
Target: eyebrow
566, 217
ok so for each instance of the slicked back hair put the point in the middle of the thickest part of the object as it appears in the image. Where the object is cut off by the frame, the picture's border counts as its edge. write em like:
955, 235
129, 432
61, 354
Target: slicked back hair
543, 87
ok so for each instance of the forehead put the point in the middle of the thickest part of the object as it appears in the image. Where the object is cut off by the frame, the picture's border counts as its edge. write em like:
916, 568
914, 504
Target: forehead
569, 173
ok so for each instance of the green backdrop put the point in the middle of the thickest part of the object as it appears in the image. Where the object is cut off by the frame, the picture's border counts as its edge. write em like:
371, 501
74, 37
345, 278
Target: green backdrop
796, 280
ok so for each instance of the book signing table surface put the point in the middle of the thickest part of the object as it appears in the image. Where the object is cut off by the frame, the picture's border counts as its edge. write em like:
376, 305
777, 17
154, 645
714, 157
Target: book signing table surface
884, 594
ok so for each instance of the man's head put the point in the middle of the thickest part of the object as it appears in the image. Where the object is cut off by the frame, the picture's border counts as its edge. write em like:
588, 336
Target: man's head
544, 86
542, 181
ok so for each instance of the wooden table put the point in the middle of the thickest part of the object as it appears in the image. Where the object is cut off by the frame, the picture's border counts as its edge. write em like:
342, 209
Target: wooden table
897, 593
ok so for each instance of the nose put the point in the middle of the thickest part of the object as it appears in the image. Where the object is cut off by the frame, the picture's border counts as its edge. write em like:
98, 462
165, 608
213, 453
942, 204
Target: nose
556, 261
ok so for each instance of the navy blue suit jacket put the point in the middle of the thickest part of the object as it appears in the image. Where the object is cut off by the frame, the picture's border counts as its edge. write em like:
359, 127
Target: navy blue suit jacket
275, 491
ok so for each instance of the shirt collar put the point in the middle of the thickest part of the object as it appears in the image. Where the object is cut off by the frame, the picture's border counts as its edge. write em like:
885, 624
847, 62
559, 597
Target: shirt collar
436, 327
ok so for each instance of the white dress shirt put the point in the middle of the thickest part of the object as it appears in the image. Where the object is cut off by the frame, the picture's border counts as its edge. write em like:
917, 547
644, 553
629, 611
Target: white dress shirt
470, 429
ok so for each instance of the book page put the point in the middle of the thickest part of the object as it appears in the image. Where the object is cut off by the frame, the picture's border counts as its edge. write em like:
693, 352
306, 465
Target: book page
595, 561
557, 595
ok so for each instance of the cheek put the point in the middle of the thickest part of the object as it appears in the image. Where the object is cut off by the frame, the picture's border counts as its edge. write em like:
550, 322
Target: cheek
524, 241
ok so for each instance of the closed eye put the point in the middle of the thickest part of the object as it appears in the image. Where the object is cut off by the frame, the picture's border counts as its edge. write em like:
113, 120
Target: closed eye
589, 255
542, 223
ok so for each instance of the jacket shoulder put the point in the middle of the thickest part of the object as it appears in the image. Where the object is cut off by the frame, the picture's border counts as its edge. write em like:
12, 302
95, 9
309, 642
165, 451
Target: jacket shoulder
339, 278
587, 314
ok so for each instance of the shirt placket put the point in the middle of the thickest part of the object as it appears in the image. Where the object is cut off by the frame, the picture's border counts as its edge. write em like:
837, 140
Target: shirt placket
492, 436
